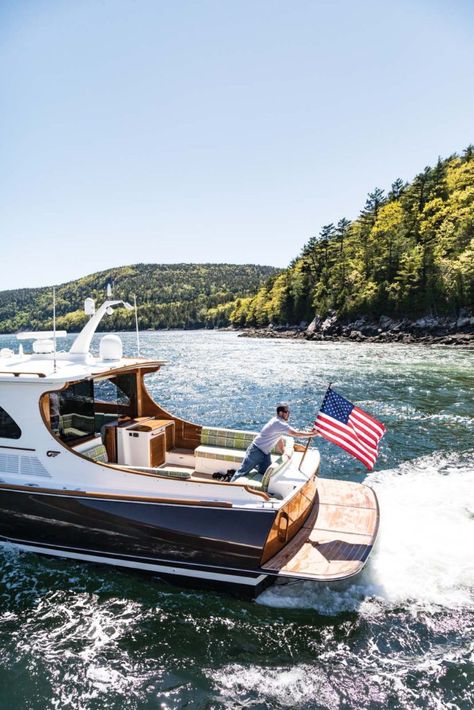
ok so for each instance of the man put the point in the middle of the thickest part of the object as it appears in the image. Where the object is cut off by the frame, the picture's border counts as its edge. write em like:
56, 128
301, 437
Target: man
258, 453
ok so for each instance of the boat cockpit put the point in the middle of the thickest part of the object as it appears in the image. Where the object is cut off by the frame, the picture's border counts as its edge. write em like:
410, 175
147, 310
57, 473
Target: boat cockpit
113, 420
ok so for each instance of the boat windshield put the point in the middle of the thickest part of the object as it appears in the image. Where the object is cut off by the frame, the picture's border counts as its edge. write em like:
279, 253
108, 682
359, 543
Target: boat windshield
84, 408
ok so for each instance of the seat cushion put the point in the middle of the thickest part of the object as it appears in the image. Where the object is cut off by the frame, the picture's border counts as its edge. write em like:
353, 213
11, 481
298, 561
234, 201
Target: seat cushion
181, 473
227, 455
227, 438
240, 440
97, 453
93, 449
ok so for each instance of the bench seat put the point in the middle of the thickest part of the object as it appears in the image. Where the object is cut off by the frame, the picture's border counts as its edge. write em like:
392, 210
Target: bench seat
209, 459
223, 449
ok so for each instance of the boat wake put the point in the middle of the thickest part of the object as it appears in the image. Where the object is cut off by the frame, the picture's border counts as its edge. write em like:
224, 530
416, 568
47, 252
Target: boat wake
421, 558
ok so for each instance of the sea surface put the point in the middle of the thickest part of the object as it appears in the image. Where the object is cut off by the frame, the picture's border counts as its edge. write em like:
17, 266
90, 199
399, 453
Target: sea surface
402, 636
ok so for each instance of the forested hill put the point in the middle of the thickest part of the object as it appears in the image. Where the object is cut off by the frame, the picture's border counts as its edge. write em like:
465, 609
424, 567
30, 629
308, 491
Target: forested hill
410, 253
168, 296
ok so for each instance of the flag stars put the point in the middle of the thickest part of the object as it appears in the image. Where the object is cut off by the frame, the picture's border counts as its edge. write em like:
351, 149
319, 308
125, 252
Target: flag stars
337, 407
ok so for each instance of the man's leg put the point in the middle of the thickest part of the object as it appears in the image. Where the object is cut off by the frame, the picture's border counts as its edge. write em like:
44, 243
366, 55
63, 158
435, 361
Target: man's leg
253, 457
264, 463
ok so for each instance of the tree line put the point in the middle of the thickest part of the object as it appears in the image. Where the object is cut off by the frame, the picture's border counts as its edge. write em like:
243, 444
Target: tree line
168, 296
409, 253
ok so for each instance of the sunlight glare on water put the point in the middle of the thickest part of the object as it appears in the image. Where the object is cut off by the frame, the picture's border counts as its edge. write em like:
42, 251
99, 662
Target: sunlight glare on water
400, 636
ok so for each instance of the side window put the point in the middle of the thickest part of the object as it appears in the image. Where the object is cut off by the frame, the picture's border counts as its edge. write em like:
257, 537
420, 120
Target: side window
116, 395
9, 429
72, 411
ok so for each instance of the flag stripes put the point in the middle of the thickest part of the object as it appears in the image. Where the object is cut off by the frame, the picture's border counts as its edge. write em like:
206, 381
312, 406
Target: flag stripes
349, 427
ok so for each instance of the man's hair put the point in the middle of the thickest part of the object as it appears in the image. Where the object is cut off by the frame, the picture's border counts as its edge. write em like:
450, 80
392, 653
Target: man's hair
282, 408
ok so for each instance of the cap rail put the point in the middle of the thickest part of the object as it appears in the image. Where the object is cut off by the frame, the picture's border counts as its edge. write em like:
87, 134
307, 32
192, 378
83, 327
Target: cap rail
18, 374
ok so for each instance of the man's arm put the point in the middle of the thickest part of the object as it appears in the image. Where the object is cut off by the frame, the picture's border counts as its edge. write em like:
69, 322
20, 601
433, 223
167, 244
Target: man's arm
303, 434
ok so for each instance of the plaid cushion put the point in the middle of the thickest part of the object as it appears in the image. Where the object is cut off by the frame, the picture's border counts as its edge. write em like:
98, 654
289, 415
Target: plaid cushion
227, 438
96, 453
234, 439
220, 454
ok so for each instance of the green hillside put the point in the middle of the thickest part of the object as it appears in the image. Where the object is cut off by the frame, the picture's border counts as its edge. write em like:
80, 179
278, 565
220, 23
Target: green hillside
168, 296
409, 253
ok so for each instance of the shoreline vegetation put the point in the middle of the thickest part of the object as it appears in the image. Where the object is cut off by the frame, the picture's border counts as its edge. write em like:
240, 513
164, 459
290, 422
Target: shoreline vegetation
168, 296
403, 271
404, 267
426, 331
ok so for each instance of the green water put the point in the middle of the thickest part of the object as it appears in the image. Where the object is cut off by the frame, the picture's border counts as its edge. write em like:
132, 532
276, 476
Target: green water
83, 636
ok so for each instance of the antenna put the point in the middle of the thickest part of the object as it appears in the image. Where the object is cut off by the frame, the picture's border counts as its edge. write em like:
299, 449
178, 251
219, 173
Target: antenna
54, 328
89, 307
136, 325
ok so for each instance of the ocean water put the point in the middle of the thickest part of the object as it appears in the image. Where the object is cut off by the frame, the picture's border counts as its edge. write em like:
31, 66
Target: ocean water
402, 636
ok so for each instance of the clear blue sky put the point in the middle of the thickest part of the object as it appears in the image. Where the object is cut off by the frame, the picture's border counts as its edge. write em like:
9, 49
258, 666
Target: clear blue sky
214, 130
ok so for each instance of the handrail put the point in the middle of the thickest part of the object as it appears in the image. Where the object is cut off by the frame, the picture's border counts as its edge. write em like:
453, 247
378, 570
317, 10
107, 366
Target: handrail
18, 374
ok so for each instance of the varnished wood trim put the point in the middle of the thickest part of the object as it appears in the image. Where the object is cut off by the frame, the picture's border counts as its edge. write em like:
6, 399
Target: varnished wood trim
45, 410
115, 496
133, 367
257, 492
336, 539
297, 510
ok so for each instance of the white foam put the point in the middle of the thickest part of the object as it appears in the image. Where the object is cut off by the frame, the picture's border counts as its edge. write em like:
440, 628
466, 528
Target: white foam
293, 686
423, 556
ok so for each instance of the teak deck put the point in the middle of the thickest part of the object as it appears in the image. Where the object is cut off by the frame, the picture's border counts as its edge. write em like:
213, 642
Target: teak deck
337, 537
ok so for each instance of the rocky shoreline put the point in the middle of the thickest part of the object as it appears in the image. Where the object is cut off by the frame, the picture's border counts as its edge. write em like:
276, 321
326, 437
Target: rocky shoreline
429, 330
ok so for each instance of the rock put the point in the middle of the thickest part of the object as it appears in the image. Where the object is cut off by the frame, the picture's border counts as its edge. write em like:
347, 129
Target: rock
428, 323
330, 325
428, 330
359, 323
386, 323
464, 322
315, 324
369, 330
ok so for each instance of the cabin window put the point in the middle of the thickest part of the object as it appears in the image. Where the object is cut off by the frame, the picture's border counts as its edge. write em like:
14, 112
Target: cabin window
120, 392
9, 429
84, 408
72, 411
114, 398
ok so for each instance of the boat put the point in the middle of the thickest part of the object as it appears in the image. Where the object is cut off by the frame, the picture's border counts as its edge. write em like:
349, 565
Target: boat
92, 468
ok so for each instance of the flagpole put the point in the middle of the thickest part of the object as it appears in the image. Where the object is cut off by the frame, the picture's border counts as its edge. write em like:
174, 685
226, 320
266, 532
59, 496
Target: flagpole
312, 437
54, 328
304, 453
136, 325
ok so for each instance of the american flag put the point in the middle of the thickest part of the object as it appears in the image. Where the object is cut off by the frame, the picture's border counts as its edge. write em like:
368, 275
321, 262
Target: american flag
349, 427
